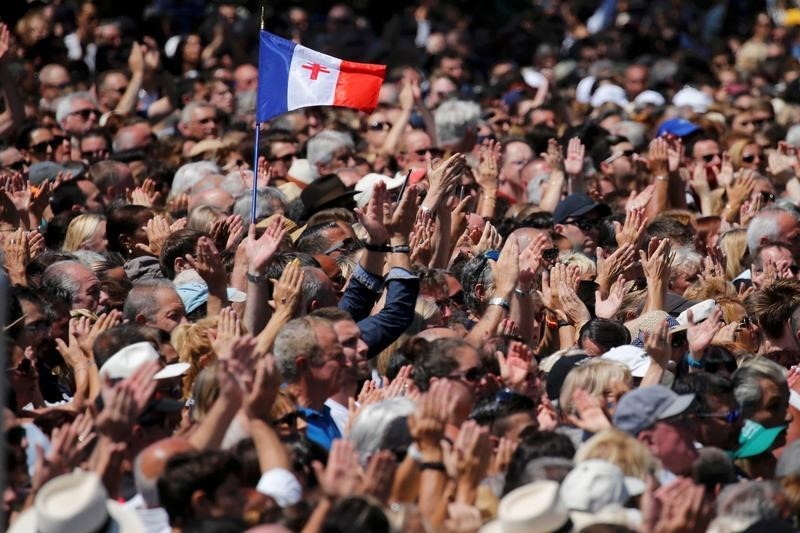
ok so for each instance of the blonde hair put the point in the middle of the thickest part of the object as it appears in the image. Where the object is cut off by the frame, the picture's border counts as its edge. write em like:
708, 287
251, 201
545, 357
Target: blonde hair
595, 376
733, 244
588, 270
715, 288
81, 229
634, 458
193, 345
204, 392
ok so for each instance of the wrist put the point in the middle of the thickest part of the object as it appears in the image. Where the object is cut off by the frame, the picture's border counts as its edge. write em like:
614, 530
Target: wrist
398, 240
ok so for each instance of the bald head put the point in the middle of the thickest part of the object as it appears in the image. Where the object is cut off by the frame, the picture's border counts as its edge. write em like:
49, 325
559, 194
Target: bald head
133, 137
150, 463
212, 197
525, 236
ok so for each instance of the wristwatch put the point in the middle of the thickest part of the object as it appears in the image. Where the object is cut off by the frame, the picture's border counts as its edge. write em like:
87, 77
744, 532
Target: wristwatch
258, 279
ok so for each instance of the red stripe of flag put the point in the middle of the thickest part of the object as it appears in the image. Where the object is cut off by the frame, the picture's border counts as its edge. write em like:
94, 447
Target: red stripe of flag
359, 85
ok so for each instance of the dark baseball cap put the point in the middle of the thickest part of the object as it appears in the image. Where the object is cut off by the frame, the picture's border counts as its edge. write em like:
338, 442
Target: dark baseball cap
576, 205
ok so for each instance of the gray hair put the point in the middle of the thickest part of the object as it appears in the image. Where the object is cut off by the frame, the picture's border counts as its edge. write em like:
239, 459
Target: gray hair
146, 486
141, 299
233, 183
686, 259
65, 104
323, 145
454, 119
297, 337
264, 201
58, 280
793, 136
749, 501
89, 258
190, 175
186, 114
746, 382
764, 226
369, 428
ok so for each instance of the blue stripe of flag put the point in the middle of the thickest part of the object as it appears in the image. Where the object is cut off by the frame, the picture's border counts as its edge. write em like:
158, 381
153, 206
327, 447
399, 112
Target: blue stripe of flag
274, 60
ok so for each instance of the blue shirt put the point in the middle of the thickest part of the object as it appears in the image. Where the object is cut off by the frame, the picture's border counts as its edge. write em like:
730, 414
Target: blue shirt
321, 427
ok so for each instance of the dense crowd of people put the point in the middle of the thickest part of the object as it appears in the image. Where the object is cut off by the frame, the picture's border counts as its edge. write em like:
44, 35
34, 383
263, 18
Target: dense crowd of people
549, 284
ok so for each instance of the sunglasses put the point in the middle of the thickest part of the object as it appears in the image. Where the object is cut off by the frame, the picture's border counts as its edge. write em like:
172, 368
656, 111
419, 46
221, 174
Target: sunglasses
708, 158
749, 158
678, 339
289, 419
624, 153
380, 126
550, 254
435, 152
92, 156
471, 376
85, 113
288, 159
767, 197
731, 417
18, 166
584, 224
42, 147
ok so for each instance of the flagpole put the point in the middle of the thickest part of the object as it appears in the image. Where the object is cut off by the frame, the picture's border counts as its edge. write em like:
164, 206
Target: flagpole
255, 150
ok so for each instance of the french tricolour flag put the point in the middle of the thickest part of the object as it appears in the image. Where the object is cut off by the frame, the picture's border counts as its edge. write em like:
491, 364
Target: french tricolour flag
291, 76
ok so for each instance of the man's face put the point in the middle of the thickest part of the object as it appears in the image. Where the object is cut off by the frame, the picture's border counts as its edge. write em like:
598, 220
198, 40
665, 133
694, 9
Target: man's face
464, 385
325, 372
222, 97
778, 257
635, 80
355, 350
171, 312
94, 200
282, 155
57, 81
246, 78
42, 145
789, 229
90, 294
453, 67
204, 124
417, 144
621, 162
707, 154
515, 157
543, 116
94, 149
773, 410
672, 442
341, 158
12, 159
581, 231
719, 427
82, 118
114, 86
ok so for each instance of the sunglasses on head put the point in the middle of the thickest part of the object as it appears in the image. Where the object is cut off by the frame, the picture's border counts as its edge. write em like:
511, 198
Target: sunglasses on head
380, 126
623, 153
731, 417
708, 158
42, 147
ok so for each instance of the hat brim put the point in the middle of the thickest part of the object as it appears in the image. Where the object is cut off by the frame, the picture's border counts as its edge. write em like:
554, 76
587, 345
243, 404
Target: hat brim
123, 519
760, 443
326, 202
172, 371
681, 404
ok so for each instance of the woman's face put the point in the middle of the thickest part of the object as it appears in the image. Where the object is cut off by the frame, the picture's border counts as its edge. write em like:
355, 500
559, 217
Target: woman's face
97, 241
191, 49
752, 157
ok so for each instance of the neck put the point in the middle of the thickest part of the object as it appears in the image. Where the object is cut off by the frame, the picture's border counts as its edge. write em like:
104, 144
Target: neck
308, 395
784, 342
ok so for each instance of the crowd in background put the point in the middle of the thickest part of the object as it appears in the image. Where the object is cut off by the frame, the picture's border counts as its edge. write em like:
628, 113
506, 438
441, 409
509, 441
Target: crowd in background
549, 284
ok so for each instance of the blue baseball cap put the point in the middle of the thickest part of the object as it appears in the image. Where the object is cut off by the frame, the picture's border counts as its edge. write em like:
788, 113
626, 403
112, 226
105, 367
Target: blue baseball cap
677, 126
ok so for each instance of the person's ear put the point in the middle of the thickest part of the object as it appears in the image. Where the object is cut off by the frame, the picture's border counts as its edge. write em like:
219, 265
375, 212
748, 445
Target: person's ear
559, 228
180, 265
183, 129
140, 319
480, 291
313, 306
199, 501
301, 363
645, 437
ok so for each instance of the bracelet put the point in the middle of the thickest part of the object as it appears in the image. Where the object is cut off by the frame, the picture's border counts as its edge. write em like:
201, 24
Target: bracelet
378, 247
661, 178
258, 279
501, 302
402, 249
563, 324
523, 293
425, 211
433, 465
694, 363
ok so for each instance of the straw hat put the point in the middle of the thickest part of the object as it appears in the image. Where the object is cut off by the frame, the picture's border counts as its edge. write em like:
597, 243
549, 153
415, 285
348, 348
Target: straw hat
532, 508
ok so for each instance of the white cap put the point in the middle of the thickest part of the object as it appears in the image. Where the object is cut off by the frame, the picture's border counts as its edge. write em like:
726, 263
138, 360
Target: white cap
595, 483
696, 99
583, 91
649, 98
700, 311
301, 171
609, 93
632, 357
532, 77
532, 508
365, 185
124, 363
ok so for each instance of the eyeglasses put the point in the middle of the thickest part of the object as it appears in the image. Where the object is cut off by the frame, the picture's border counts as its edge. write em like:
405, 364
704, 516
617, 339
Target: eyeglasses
92, 156
380, 126
289, 419
288, 159
85, 113
42, 147
471, 376
623, 153
749, 158
584, 224
731, 417
708, 158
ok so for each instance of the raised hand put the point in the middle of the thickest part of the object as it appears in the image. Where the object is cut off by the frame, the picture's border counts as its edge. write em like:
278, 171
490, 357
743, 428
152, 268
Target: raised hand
608, 308
490, 240
208, 264
229, 327
421, 240
632, 230
576, 151
530, 260
442, 179
67, 446
589, 415
657, 345
341, 476
258, 402
741, 188
377, 480
489, 166
612, 267
658, 157
125, 401
260, 251
657, 260
675, 152
158, 231
427, 423
506, 269
36, 244
573, 308
4, 41
515, 367
17, 256
288, 290
701, 334
639, 200
146, 194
